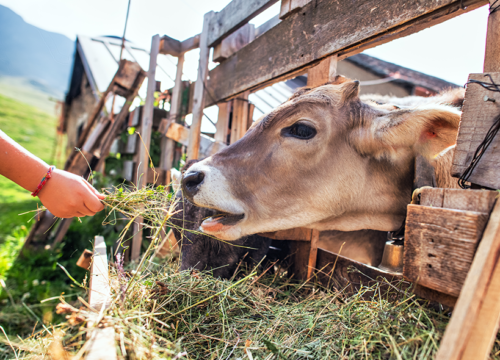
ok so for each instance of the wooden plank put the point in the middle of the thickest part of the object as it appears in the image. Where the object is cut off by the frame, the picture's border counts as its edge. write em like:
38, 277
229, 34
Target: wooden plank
313, 253
168, 145
126, 74
240, 117
170, 46
288, 7
324, 72
269, 24
190, 44
131, 145
296, 234
474, 323
100, 289
222, 126
232, 17
477, 118
199, 90
61, 231
440, 246
157, 176
102, 340
168, 246
492, 50
178, 133
481, 201
208, 146
302, 40
234, 42
146, 129
96, 135
85, 260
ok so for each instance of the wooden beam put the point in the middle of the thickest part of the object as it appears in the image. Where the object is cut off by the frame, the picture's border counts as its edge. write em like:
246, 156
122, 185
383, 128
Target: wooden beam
144, 145
180, 134
234, 42
233, 16
268, 25
199, 90
300, 41
288, 7
170, 46
222, 126
168, 145
240, 117
492, 50
324, 72
190, 44
474, 323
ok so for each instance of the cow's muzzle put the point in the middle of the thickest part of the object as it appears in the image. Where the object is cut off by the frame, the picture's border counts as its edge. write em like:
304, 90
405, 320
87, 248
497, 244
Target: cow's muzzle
191, 182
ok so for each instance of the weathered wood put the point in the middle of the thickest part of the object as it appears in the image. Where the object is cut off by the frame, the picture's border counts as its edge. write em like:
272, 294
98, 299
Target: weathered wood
324, 72
232, 17
157, 176
128, 170
434, 295
440, 245
222, 126
477, 117
100, 289
61, 231
167, 145
85, 260
492, 50
96, 135
340, 272
234, 42
126, 74
190, 44
240, 117
288, 7
481, 201
298, 234
474, 323
168, 246
313, 253
199, 90
146, 129
269, 24
102, 340
131, 144
170, 46
180, 134
302, 40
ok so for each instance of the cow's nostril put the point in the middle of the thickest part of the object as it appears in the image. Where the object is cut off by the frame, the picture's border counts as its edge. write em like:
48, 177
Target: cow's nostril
191, 182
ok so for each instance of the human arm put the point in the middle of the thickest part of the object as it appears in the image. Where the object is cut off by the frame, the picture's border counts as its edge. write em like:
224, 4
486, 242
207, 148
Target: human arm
65, 195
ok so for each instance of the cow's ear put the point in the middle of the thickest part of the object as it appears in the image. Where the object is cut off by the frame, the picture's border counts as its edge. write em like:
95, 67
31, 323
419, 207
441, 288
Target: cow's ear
349, 90
419, 131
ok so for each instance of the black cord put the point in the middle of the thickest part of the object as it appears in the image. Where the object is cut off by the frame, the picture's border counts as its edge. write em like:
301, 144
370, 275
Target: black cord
494, 7
488, 139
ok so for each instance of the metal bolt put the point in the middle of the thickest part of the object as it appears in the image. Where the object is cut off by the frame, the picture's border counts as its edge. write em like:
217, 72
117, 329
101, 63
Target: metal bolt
486, 98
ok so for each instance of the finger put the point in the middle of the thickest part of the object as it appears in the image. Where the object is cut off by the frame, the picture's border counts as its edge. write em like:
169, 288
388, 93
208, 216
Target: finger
93, 190
91, 202
92, 212
79, 214
85, 210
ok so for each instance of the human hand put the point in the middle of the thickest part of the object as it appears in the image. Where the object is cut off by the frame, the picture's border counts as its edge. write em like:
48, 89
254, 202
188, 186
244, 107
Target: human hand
67, 195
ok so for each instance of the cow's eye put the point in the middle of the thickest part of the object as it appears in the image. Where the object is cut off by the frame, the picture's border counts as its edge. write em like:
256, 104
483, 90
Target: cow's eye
299, 131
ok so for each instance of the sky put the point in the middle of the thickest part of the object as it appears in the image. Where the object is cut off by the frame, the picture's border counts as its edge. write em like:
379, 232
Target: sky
450, 50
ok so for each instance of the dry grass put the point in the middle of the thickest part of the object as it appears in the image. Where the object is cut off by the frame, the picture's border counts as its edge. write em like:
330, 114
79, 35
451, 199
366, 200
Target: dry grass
161, 313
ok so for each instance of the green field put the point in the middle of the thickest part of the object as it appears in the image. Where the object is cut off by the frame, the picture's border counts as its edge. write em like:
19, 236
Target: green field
34, 129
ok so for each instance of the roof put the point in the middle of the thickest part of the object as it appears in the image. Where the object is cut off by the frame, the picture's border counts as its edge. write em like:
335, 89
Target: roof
400, 74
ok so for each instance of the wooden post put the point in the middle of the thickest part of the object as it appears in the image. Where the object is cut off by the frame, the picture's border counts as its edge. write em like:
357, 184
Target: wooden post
199, 91
474, 323
102, 340
146, 127
492, 51
322, 73
240, 117
222, 126
167, 145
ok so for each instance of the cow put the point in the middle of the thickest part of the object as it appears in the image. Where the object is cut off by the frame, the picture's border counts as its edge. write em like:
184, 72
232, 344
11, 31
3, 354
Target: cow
325, 160
203, 252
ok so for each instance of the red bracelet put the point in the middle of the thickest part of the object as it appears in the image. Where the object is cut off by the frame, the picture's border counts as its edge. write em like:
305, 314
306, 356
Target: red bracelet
44, 180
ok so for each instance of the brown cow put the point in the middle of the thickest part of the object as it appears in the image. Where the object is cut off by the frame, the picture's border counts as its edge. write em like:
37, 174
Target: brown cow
324, 160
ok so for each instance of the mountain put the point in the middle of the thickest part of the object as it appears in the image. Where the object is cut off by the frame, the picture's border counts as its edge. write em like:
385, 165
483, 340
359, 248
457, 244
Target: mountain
41, 58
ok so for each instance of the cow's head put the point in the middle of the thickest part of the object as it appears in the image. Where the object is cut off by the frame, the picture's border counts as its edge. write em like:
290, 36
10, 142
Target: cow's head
323, 160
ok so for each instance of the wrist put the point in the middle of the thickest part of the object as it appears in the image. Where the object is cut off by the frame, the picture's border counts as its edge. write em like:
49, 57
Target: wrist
43, 181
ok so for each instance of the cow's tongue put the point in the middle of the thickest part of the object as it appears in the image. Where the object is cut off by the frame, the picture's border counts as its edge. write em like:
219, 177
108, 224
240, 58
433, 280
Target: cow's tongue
214, 224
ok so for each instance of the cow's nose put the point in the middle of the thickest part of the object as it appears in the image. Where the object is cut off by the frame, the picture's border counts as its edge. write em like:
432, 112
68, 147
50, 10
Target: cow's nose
191, 183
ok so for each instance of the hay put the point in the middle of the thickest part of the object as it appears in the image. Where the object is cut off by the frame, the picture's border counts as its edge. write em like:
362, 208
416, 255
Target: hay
161, 313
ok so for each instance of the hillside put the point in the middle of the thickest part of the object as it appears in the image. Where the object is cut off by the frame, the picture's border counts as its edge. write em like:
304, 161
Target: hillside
41, 59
